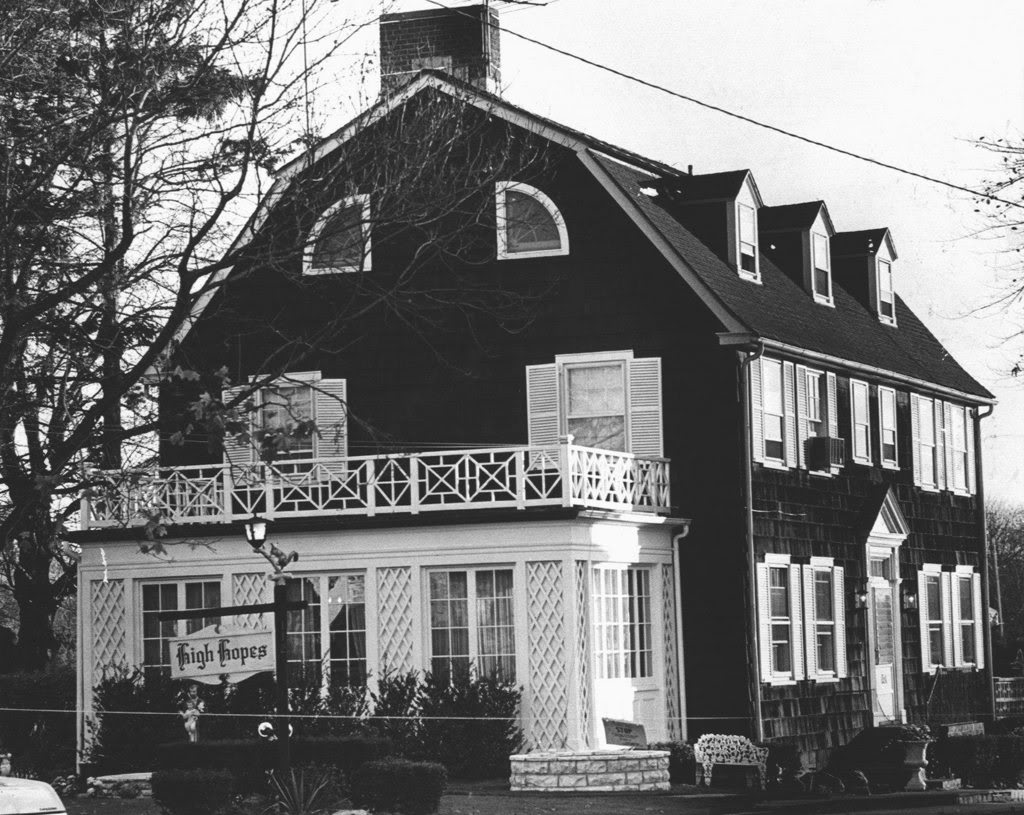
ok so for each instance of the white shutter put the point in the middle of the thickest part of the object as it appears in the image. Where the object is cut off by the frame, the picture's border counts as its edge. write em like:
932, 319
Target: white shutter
802, 429
940, 444
839, 612
922, 614
542, 405
330, 402
789, 406
915, 435
756, 410
237, 451
795, 622
947, 620
833, 406
810, 616
951, 465
954, 603
645, 434
764, 622
980, 623
972, 467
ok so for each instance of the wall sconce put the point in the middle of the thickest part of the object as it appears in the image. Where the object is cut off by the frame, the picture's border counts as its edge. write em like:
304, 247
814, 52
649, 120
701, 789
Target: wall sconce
909, 594
860, 593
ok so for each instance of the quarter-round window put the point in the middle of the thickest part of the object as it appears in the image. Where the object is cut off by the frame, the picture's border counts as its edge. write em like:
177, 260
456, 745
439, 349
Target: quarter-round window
340, 240
529, 223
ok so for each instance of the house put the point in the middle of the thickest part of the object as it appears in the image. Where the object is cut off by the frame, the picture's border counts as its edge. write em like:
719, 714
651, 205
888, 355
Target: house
815, 564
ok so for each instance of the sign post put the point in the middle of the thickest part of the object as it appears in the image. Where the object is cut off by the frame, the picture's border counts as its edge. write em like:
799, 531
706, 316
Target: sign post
281, 606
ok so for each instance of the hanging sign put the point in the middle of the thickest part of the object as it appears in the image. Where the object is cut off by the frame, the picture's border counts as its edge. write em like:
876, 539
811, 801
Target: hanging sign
215, 651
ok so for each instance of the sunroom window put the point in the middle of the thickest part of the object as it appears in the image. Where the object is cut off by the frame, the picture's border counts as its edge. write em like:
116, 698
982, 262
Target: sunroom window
340, 240
529, 223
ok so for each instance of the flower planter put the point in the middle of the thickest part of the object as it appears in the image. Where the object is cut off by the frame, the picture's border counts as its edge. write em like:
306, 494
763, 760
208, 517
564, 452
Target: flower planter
914, 761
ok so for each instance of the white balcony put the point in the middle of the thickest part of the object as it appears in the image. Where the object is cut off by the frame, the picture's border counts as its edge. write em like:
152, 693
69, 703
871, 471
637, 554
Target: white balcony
564, 475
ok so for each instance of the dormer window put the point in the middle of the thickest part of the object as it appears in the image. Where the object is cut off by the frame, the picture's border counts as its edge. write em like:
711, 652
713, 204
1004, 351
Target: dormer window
529, 224
886, 296
340, 241
748, 266
822, 268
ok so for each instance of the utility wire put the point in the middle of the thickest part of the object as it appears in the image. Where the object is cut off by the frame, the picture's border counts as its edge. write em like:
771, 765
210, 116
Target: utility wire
749, 120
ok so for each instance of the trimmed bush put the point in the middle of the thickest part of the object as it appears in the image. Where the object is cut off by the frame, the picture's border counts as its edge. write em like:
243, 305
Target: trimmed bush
973, 759
1010, 760
398, 785
192, 792
41, 744
682, 765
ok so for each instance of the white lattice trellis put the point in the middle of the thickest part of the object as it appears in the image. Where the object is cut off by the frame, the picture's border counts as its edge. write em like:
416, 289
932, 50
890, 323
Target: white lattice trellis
668, 605
545, 628
583, 649
109, 628
246, 589
394, 615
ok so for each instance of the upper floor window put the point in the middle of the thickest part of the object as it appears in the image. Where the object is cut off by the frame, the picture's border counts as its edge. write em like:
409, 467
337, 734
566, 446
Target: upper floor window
957, 416
286, 415
943, 445
819, 448
529, 223
606, 400
774, 411
886, 295
860, 419
821, 268
887, 426
340, 241
747, 236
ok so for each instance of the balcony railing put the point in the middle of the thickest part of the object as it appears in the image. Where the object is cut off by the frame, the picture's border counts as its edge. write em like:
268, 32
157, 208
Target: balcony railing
1009, 696
501, 477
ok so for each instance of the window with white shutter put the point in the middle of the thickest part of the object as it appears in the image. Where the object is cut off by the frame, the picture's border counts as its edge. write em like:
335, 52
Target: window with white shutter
824, 620
606, 400
951, 619
926, 441
860, 420
942, 435
887, 439
931, 585
778, 394
780, 620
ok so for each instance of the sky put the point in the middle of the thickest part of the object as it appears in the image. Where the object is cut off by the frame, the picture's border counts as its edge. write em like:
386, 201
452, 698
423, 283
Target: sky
883, 78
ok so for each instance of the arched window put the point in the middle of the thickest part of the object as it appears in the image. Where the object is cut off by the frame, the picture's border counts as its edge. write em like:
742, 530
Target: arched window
340, 240
529, 223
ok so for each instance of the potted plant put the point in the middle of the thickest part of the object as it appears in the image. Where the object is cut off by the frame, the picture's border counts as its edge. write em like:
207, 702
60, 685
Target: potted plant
914, 739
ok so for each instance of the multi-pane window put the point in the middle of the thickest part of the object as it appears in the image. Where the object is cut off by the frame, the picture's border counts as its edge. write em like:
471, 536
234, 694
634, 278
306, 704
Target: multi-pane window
529, 223
781, 624
471, 623
822, 267
816, 403
157, 634
286, 413
340, 241
774, 409
346, 615
861, 421
943, 444
957, 440
747, 219
887, 425
926, 446
967, 621
622, 623
932, 611
824, 621
596, 404
304, 632
886, 297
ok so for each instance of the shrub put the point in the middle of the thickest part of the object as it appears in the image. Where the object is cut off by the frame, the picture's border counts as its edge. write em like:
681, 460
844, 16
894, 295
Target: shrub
192, 792
682, 766
306, 791
483, 730
971, 758
395, 708
398, 785
784, 765
1010, 760
41, 744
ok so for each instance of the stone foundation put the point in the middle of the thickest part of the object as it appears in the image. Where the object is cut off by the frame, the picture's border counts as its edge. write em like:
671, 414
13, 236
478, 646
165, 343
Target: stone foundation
591, 771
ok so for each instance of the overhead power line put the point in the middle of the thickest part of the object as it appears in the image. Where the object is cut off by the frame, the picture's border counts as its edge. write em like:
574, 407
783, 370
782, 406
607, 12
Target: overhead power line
748, 119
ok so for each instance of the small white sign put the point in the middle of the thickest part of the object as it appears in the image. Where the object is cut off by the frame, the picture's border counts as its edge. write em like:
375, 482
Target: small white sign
215, 651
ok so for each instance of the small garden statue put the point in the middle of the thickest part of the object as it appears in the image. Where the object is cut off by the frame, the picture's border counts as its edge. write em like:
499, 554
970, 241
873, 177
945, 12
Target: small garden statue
5, 765
194, 708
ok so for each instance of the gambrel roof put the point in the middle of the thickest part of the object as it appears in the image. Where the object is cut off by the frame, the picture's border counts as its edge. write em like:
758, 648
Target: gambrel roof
778, 312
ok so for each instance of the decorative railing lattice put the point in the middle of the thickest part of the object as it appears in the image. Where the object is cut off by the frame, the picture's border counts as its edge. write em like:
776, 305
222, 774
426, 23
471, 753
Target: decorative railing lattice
509, 477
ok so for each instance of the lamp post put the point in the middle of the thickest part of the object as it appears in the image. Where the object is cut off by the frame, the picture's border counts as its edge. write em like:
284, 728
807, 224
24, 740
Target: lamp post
256, 535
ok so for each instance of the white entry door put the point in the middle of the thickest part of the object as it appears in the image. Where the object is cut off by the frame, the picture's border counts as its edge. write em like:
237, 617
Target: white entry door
884, 640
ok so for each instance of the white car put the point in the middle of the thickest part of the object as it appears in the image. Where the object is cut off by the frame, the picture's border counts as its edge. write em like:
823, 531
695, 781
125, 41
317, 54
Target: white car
19, 796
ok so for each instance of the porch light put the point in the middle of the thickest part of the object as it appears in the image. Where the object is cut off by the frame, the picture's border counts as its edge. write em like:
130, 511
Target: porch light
909, 594
860, 593
256, 532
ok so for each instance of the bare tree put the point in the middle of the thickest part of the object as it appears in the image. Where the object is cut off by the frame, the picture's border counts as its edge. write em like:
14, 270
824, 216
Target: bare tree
1006, 543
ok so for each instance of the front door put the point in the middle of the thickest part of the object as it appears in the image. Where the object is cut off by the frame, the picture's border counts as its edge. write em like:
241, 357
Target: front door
884, 620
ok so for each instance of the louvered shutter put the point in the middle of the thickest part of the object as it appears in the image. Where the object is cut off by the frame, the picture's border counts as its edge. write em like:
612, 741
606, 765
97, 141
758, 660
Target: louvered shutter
645, 435
756, 410
802, 425
330, 400
915, 435
764, 622
789, 406
922, 619
237, 451
810, 616
542, 405
972, 466
954, 602
795, 622
940, 444
951, 459
947, 620
839, 612
980, 623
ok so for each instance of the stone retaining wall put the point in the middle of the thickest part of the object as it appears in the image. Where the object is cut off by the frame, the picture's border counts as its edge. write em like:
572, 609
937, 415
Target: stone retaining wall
591, 771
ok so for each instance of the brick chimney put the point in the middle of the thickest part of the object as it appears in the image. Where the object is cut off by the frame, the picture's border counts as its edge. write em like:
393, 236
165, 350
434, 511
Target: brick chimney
463, 42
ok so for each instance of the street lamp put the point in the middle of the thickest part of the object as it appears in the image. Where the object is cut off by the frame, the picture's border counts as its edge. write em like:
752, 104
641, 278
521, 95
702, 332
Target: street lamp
256, 532
256, 535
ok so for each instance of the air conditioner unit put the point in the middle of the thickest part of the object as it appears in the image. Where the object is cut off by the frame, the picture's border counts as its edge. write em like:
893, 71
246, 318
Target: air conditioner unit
825, 452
